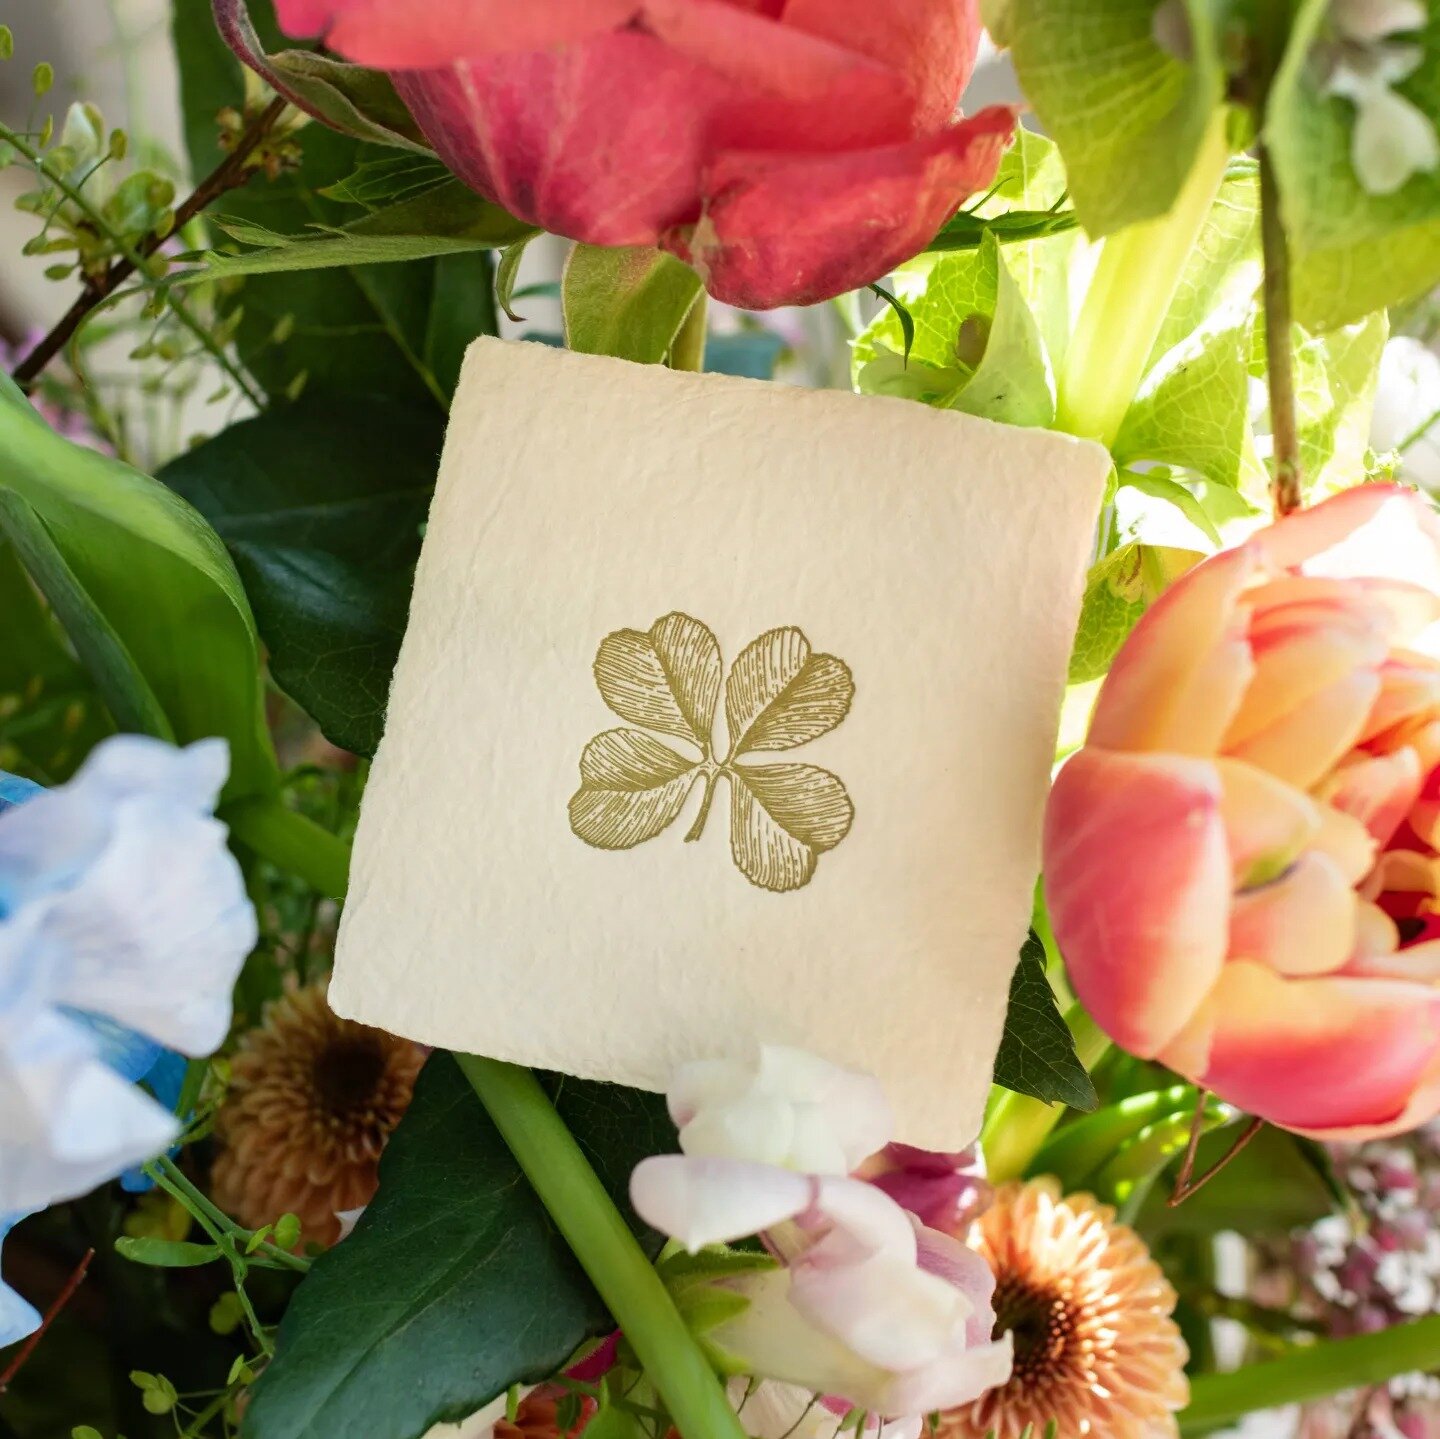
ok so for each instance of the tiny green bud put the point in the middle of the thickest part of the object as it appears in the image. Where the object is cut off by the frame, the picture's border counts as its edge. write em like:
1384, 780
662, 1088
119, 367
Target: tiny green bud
240, 1372
43, 77
161, 1397
119, 144
84, 1431
47, 131
284, 328
58, 272
257, 1239
287, 1231
226, 1314
296, 386
7, 49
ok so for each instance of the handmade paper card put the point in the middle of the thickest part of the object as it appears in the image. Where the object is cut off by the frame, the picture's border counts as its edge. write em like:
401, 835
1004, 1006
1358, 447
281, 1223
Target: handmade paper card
725, 714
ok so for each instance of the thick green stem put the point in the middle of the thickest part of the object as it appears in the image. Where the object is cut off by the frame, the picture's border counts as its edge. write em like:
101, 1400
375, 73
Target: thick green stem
291, 842
1135, 280
594, 1228
1312, 1373
1017, 1125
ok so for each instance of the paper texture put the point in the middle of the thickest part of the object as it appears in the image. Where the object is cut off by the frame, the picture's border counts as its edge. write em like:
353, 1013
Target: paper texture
847, 619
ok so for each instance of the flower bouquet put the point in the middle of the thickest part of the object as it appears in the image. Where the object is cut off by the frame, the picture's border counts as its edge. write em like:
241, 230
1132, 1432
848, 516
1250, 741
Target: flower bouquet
856, 499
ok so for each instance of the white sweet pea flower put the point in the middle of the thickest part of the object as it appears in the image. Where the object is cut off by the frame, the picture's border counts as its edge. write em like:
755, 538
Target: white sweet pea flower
784, 1107
1393, 139
119, 903
1407, 410
865, 1304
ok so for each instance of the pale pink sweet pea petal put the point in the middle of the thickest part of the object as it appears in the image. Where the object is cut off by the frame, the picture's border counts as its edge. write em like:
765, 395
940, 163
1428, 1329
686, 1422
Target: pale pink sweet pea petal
1138, 879
713, 1201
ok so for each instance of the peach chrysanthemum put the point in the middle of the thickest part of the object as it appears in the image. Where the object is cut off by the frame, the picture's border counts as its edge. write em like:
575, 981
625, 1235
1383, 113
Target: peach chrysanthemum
1095, 1347
312, 1101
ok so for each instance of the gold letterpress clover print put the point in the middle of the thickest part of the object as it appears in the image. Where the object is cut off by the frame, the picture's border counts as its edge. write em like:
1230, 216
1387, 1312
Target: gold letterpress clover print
779, 695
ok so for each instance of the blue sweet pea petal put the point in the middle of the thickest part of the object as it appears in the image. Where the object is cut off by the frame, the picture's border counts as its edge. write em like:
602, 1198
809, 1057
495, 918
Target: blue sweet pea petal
17, 1318
165, 1081
130, 1055
14, 790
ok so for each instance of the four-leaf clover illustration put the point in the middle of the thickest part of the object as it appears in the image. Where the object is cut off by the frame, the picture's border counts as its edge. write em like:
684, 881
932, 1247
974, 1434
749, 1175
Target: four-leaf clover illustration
779, 695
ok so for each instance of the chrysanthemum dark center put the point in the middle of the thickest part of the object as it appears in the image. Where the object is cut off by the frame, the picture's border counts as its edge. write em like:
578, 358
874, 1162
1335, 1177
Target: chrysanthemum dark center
348, 1073
1042, 1321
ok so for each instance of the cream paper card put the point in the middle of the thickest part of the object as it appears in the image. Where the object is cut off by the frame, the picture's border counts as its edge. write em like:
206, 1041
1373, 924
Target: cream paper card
725, 714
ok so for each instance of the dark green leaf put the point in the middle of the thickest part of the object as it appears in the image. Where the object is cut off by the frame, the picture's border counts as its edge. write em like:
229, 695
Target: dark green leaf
455, 1284
902, 315
321, 505
968, 231
159, 576
1037, 1051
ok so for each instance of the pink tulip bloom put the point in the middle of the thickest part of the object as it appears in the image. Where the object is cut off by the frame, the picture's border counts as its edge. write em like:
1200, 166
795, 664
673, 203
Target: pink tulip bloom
789, 149
1241, 864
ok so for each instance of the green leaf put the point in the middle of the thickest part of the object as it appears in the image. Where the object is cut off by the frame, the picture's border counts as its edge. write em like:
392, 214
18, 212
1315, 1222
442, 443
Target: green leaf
1353, 252
1037, 1051
321, 505
455, 1284
666, 678
1127, 115
902, 317
1120, 589
166, 1253
1013, 382
780, 694
629, 302
613, 1422
1335, 379
631, 788
783, 817
1161, 487
160, 578
1074, 1152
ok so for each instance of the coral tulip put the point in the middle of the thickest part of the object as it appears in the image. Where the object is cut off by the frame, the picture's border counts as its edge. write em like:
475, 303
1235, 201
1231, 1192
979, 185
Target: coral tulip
1241, 863
789, 149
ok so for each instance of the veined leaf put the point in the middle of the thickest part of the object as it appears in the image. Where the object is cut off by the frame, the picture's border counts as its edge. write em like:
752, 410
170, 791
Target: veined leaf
1037, 1051
1335, 379
783, 817
666, 678
1120, 589
629, 301
631, 788
780, 695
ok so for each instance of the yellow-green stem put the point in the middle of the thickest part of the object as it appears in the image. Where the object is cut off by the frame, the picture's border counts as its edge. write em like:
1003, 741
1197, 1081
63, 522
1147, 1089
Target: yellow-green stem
1134, 282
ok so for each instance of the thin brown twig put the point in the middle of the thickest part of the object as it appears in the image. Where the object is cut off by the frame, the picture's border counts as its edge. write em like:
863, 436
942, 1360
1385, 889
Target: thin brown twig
1184, 1187
230, 174
76, 1279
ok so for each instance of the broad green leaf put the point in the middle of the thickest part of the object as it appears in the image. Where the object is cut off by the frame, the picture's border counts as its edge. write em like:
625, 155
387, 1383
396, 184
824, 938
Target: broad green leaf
388, 179
1335, 379
50, 716
1120, 589
783, 817
1162, 487
1037, 1051
666, 678
321, 505
1074, 1152
631, 788
160, 577
1127, 115
167, 1253
1013, 382
447, 219
629, 301
111, 666
780, 694
1354, 252
455, 1284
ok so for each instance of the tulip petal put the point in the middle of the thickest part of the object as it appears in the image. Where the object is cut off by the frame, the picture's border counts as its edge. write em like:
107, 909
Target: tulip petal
714, 1201
1419, 963
1138, 880
1302, 923
1377, 790
1311, 1054
1403, 610
1180, 677
1303, 745
788, 229
934, 46
1267, 822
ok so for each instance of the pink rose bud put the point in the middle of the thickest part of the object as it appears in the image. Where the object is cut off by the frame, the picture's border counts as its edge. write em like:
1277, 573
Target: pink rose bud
789, 153
1241, 864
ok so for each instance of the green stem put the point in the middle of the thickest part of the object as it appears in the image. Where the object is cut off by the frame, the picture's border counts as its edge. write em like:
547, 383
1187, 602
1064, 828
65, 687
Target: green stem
594, 1228
687, 350
291, 842
1313, 1372
1018, 1125
1135, 280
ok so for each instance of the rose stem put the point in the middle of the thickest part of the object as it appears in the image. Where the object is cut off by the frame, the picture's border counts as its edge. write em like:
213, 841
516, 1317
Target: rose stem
607, 1250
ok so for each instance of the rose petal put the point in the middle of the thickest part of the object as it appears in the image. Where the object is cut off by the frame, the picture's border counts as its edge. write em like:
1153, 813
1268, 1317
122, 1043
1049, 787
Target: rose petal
1311, 1054
796, 229
1180, 677
1137, 876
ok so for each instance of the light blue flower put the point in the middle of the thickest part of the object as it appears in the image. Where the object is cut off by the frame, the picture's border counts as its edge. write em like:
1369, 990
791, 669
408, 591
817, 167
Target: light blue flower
123, 926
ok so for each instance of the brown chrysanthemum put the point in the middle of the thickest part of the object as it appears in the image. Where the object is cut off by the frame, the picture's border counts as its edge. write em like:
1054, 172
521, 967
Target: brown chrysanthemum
1095, 1347
313, 1098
